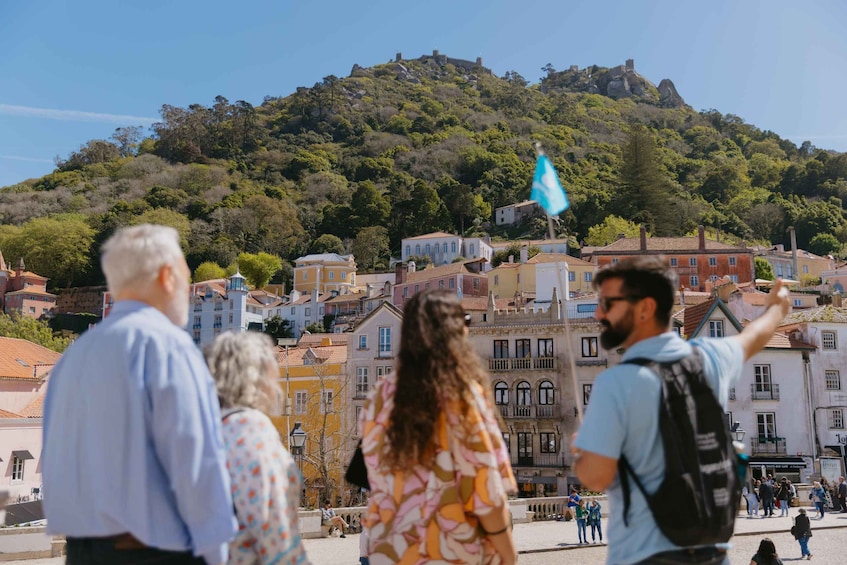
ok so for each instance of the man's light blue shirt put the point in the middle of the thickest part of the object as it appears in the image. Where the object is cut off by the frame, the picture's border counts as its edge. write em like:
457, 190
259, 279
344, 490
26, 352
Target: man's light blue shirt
132, 438
623, 419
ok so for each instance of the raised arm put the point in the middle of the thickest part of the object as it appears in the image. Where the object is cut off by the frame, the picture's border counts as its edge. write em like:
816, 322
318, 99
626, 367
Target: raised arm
755, 336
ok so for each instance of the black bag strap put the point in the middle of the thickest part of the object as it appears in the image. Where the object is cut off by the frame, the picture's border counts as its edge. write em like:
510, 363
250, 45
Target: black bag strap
226, 413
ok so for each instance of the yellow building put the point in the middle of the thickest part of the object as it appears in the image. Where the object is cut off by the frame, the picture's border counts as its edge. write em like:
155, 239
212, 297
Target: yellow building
507, 279
314, 379
325, 271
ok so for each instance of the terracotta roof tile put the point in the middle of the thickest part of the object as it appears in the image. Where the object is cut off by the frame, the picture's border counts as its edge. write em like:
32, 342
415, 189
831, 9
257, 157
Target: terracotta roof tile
35, 409
438, 272
480, 303
431, 236
331, 354
563, 257
30, 291
828, 313
785, 341
7, 414
665, 244
694, 315
22, 359
312, 340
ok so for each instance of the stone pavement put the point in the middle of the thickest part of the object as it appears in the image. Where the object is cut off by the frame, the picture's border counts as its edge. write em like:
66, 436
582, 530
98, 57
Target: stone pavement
555, 542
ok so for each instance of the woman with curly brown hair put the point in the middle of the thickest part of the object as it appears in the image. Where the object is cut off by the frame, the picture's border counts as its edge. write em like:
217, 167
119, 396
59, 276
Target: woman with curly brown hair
439, 472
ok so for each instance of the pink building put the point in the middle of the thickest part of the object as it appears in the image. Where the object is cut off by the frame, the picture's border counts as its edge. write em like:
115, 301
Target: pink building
465, 279
23, 292
24, 367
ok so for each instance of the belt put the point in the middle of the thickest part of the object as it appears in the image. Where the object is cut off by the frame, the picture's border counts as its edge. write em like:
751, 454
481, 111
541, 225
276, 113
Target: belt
696, 551
125, 541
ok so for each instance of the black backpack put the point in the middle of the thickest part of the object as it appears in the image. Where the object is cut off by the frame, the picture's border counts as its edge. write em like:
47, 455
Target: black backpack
698, 500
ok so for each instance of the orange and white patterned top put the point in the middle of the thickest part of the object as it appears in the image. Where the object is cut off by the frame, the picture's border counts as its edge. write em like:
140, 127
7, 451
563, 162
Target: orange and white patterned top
428, 514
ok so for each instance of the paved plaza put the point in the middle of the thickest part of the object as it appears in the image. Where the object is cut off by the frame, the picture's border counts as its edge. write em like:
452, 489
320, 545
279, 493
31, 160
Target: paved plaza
551, 543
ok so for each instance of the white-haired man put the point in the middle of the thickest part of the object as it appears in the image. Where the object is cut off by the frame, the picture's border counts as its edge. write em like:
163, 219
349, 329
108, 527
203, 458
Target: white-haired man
133, 461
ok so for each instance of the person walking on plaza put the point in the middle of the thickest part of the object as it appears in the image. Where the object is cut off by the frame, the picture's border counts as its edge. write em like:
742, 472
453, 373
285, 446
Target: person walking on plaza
594, 518
767, 554
635, 301
265, 481
818, 496
802, 531
752, 501
842, 495
783, 494
581, 519
573, 502
133, 460
330, 518
766, 495
438, 468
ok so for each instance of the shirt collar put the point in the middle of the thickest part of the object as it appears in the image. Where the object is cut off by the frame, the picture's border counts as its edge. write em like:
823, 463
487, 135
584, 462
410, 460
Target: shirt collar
664, 344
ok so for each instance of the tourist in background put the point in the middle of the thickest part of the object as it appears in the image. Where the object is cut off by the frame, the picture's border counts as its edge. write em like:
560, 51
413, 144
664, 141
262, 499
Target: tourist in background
594, 517
439, 471
766, 494
581, 519
573, 502
265, 481
818, 496
802, 531
331, 519
767, 554
783, 494
134, 464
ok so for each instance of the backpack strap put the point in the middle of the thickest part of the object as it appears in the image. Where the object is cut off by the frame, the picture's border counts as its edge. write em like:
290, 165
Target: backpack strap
226, 413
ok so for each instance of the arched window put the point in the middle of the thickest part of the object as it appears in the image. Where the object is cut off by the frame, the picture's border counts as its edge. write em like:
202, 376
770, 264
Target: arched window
408, 250
417, 249
524, 394
546, 393
501, 393
426, 249
444, 248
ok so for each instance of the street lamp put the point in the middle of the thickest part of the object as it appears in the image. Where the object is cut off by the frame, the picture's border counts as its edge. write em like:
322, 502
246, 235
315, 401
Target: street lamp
297, 439
738, 434
286, 342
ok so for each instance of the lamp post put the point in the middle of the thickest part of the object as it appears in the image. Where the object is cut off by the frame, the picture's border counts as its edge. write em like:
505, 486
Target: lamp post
286, 342
738, 434
297, 439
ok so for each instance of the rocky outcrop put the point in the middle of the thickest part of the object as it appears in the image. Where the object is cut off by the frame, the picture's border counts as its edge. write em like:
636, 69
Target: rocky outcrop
668, 96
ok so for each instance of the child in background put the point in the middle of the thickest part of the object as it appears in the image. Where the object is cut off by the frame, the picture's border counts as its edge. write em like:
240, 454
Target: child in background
581, 516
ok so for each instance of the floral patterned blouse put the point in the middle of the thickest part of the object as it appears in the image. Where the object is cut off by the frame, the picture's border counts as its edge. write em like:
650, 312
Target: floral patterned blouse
429, 513
265, 490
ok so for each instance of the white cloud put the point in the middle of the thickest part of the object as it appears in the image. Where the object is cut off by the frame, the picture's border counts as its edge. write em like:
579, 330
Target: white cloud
73, 115
29, 159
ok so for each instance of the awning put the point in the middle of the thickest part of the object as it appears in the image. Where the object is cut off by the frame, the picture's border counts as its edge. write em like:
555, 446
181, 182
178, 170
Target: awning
22, 454
792, 462
537, 480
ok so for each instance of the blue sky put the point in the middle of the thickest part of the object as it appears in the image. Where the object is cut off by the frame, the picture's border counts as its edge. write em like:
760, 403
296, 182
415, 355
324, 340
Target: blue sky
74, 71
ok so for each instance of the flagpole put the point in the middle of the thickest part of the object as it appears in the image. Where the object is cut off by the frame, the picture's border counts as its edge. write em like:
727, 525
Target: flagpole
571, 360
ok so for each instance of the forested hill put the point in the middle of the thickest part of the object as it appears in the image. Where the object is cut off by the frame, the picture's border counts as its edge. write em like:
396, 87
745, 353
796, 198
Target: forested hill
414, 146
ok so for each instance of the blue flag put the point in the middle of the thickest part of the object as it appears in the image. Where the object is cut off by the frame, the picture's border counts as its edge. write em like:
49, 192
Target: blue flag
546, 188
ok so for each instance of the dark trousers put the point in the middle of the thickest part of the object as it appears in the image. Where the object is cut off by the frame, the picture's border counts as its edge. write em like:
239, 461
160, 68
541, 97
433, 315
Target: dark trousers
843, 503
123, 549
702, 556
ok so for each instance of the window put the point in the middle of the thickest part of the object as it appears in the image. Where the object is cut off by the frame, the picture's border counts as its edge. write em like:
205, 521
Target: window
836, 419
805, 269
586, 394
713, 261
384, 341
734, 278
547, 442
501, 393
766, 424
524, 448
798, 302
833, 380
363, 342
545, 348
331, 275
344, 276
501, 349
524, 394
762, 376
218, 322
452, 284
476, 283
694, 280
308, 312
196, 322
571, 276
300, 400
359, 410
293, 311
361, 381
426, 249
444, 248
196, 336
326, 402
674, 262
507, 441
219, 305
17, 468
496, 280
380, 371
522, 348
408, 250
198, 306
692, 261
473, 251
405, 292
453, 247
732, 261
230, 319
32, 309
305, 276
417, 249
828, 340
614, 261
546, 393
589, 276
589, 347
715, 328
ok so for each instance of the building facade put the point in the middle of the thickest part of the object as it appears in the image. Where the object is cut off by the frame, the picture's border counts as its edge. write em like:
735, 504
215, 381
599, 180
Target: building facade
516, 213
324, 272
24, 293
465, 279
443, 248
221, 305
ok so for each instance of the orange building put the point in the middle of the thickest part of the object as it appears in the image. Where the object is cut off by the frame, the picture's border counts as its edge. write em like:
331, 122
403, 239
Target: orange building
695, 259
23, 292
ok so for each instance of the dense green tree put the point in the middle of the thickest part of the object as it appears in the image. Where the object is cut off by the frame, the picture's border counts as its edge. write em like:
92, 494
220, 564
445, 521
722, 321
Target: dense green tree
370, 246
258, 268
277, 327
368, 207
607, 232
207, 271
165, 217
36, 331
763, 269
327, 243
824, 244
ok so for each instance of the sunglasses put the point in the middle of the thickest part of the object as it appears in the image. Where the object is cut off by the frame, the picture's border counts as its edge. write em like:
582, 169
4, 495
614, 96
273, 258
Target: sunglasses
607, 302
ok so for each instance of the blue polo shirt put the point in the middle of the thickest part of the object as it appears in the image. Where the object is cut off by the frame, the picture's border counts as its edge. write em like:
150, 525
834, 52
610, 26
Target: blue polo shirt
623, 419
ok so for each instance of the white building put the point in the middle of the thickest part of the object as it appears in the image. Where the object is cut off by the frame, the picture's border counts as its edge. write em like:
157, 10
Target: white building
515, 213
220, 305
442, 248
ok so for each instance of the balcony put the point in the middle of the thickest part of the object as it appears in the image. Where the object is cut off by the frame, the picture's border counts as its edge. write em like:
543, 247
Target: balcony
539, 460
768, 446
764, 392
530, 411
522, 364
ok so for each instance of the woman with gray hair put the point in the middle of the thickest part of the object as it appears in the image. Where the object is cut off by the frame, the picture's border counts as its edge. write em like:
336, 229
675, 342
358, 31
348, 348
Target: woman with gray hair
265, 482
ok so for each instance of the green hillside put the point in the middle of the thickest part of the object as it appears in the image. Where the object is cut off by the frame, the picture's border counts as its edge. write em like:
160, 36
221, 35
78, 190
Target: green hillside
413, 146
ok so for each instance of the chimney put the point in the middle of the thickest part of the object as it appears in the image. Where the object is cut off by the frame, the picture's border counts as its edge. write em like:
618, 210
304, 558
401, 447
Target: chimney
524, 254
400, 272
511, 259
21, 267
701, 237
643, 238
793, 235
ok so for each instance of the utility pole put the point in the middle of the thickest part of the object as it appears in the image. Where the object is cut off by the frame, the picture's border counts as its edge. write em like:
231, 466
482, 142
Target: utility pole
287, 342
